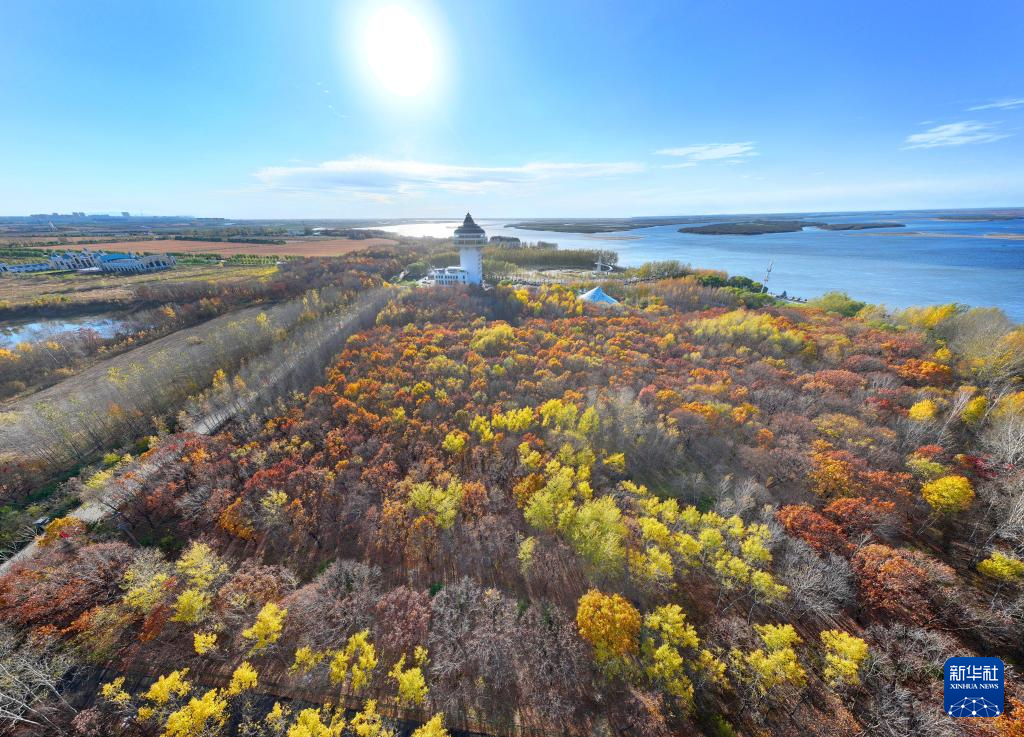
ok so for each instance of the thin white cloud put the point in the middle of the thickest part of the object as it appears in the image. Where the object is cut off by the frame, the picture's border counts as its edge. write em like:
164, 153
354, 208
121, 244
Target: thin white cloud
955, 134
1005, 104
725, 152
366, 175
780, 196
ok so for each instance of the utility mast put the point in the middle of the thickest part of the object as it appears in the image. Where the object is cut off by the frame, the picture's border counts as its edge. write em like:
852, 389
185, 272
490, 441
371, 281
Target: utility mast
767, 275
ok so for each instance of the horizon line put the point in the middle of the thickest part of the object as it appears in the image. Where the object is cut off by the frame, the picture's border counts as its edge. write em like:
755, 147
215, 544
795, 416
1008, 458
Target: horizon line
115, 215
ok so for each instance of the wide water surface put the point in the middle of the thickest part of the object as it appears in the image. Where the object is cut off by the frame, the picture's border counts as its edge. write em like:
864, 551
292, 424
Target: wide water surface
950, 261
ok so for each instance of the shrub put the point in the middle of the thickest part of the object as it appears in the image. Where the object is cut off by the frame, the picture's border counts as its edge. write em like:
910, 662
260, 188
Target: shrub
974, 410
838, 302
752, 329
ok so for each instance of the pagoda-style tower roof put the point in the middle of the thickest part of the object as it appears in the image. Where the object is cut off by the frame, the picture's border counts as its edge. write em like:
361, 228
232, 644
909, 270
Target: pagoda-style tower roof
469, 228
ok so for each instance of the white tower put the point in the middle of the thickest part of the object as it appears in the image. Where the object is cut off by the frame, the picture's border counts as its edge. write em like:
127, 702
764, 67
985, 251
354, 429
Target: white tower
469, 237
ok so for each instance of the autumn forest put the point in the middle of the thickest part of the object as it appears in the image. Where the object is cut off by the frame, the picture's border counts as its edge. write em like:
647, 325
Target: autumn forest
513, 513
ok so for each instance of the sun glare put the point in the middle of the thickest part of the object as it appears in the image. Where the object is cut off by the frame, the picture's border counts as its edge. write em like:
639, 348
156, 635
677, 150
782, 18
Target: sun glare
401, 53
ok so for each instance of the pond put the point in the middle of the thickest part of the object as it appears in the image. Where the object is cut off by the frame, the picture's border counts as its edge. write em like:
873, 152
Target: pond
27, 331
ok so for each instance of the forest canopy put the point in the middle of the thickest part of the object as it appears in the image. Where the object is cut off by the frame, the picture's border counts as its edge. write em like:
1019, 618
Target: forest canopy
510, 512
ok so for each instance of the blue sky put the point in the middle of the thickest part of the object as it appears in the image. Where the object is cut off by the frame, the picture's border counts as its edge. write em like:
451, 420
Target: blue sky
527, 108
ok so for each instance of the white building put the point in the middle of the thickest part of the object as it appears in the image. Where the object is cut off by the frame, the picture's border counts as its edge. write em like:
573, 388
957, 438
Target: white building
74, 260
135, 264
23, 268
469, 238
448, 276
130, 263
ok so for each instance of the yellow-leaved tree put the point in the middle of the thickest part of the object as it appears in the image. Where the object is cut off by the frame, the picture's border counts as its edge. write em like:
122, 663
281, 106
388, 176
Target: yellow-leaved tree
844, 655
923, 411
368, 722
774, 665
62, 529
949, 494
310, 723
974, 410
442, 502
146, 581
198, 717
167, 686
244, 678
200, 566
306, 659
191, 606
266, 630
357, 660
612, 627
454, 442
412, 686
666, 635
1001, 567
432, 728
204, 642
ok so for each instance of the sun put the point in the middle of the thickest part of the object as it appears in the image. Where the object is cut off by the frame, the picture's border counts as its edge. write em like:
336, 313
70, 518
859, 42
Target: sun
400, 51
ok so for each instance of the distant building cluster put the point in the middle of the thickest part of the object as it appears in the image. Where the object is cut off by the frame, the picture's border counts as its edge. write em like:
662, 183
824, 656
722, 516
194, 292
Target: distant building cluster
87, 261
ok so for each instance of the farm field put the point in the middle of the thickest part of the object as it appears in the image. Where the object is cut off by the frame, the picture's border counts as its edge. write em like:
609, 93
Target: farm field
35, 240
84, 289
291, 247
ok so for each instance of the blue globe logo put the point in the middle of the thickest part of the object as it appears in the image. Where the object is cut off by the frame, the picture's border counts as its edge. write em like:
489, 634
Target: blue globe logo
974, 707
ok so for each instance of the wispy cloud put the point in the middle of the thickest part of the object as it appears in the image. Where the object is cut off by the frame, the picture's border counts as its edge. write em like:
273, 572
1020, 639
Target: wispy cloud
371, 176
1005, 104
730, 153
955, 134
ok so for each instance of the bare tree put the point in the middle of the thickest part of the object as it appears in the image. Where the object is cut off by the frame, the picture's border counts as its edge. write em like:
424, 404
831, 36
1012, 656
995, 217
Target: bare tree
903, 662
819, 587
1004, 439
29, 686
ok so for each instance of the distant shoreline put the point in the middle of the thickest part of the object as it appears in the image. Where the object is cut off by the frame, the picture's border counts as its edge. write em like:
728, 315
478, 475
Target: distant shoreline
922, 234
764, 227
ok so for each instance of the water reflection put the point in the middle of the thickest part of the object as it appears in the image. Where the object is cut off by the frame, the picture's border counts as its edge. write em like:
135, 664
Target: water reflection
30, 331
